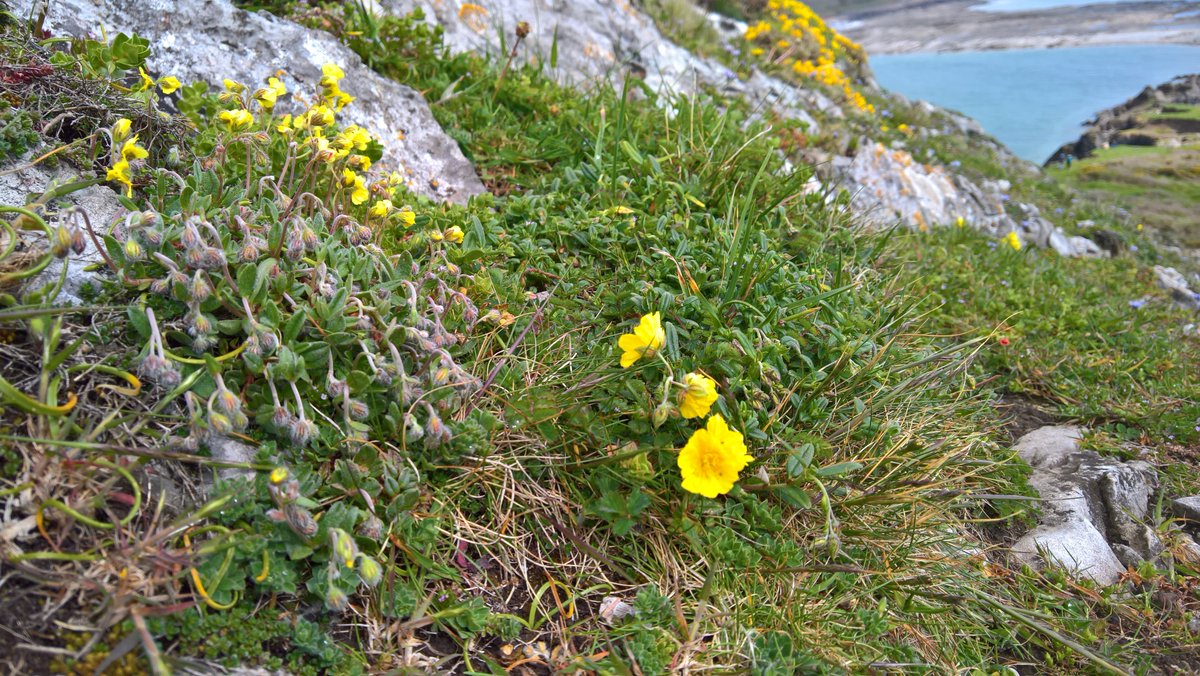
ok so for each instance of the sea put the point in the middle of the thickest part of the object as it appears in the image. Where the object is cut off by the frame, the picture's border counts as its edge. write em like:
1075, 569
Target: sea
1034, 100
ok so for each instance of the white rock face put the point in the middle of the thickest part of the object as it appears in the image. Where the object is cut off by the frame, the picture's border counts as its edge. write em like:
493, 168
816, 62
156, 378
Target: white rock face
211, 39
1094, 510
1173, 281
598, 40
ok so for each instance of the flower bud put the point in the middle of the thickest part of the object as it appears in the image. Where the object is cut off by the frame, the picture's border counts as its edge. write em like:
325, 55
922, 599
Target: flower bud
369, 571
301, 431
336, 599
372, 528
300, 520
358, 410
335, 388
219, 423
62, 242
78, 243
412, 429
133, 250
344, 546
200, 289
280, 417
661, 413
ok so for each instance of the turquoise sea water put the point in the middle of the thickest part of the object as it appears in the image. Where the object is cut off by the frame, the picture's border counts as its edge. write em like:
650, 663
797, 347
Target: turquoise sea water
1034, 100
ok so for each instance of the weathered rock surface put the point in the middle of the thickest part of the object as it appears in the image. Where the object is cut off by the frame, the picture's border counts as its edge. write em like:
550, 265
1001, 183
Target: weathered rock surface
1187, 508
1094, 509
1174, 282
602, 39
98, 202
211, 39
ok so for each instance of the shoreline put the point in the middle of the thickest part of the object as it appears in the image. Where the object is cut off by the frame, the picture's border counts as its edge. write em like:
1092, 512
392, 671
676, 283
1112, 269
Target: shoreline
939, 26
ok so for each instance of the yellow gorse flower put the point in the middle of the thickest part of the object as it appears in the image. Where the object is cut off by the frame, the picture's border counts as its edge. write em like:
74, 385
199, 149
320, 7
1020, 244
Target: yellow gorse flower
699, 394
647, 338
712, 459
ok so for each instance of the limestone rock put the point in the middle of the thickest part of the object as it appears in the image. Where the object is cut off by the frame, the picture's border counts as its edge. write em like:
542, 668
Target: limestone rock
98, 202
211, 39
1094, 509
1173, 281
598, 40
1187, 508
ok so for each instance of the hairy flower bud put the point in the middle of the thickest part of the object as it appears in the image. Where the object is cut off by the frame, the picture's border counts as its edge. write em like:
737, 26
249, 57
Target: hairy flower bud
300, 520
369, 571
335, 388
281, 418
133, 250
62, 242
200, 289
358, 410
372, 528
336, 599
412, 429
343, 546
301, 431
219, 423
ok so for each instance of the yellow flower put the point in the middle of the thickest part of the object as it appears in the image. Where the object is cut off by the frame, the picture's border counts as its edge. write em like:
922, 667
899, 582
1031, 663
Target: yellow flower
358, 188
169, 84
147, 81
436, 235
712, 458
1013, 240
454, 234
406, 216
699, 394
120, 130
645, 340
359, 162
130, 150
285, 126
960, 221
381, 208
332, 71
266, 97
237, 119
119, 172
235, 87
319, 116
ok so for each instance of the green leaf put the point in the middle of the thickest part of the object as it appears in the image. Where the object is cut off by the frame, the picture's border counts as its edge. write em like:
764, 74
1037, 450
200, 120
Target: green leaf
139, 320
838, 469
794, 497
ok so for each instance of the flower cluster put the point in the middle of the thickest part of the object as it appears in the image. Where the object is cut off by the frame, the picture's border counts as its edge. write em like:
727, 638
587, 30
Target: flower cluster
126, 155
794, 36
713, 457
1013, 240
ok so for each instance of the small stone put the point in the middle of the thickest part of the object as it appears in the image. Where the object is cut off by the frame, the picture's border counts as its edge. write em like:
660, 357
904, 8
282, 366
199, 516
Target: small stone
1127, 556
1194, 624
1187, 508
1050, 446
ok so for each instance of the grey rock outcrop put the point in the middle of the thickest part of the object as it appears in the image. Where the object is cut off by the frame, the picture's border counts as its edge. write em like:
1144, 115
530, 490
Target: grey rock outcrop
100, 205
211, 39
598, 40
1094, 509
1187, 509
1177, 285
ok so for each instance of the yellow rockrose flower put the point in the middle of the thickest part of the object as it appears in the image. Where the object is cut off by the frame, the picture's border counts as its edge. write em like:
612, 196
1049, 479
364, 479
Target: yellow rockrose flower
266, 97
119, 172
380, 209
714, 455
454, 234
147, 81
120, 130
406, 216
1013, 240
130, 150
237, 119
699, 394
645, 340
169, 84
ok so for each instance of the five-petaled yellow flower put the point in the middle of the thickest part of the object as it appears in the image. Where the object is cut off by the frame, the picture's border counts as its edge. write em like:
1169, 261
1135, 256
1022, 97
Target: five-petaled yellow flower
712, 459
266, 96
645, 340
454, 234
699, 394
1013, 240
406, 216
169, 84
120, 173
236, 120
130, 150
358, 188
381, 208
